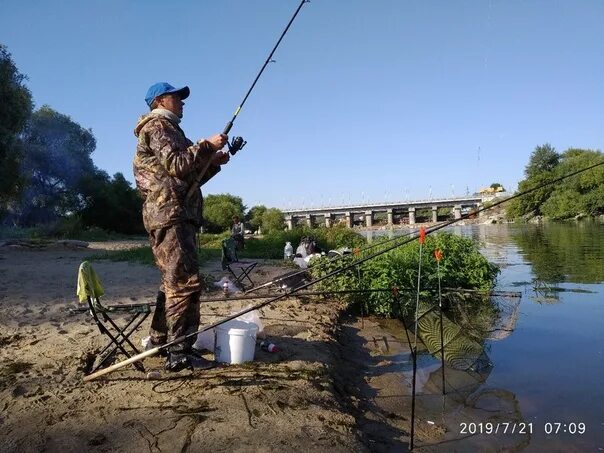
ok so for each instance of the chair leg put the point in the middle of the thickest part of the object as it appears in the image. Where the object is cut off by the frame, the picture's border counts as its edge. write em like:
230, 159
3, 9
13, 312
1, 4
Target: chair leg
247, 274
243, 274
237, 278
120, 338
123, 332
118, 345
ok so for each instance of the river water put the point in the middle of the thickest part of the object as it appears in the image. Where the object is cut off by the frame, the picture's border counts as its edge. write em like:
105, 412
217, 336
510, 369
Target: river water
545, 379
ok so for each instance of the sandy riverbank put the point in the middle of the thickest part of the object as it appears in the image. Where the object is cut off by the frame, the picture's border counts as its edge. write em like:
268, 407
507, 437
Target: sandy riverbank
303, 398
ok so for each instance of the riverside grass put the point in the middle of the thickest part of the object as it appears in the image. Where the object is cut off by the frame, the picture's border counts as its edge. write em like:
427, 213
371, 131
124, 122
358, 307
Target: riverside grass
269, 246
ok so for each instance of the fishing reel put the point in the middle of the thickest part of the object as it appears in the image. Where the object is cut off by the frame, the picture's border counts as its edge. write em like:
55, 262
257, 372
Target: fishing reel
237, 143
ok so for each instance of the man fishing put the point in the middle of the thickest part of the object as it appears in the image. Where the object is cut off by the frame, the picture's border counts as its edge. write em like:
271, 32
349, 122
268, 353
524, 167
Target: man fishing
166, 165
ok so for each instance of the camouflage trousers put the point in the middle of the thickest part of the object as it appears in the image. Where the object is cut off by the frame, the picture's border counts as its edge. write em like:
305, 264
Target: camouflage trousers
177, 309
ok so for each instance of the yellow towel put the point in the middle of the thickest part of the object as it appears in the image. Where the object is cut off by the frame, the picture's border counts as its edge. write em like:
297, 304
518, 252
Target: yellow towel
88, 283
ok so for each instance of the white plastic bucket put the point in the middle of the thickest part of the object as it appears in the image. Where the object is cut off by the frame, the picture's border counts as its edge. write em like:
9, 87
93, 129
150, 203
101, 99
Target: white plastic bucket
235, 342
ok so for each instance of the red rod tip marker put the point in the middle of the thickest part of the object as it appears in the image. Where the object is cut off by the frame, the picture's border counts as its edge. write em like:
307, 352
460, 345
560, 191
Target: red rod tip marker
422, 235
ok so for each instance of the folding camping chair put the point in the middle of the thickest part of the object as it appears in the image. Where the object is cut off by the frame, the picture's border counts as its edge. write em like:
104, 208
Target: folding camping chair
90, 290
240, 270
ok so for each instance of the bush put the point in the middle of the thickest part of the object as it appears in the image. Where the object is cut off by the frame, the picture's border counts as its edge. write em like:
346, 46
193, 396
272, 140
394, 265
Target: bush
272, 220
462, 266
218, 211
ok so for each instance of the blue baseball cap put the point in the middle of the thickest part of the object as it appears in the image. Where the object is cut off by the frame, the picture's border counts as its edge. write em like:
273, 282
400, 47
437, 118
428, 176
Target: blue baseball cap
160, 88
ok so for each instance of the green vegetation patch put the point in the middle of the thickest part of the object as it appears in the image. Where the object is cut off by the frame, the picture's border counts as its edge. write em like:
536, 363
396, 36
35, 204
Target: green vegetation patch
580, 195
271, 245
462, 266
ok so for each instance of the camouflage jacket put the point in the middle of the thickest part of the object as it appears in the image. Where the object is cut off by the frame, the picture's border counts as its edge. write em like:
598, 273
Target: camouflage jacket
166, 164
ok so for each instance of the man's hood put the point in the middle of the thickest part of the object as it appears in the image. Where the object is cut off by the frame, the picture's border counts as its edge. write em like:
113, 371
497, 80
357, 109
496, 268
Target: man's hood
142, 121
156, 113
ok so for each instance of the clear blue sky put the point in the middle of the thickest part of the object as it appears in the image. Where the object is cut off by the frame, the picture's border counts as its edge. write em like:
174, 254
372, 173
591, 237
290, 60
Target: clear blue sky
369, 100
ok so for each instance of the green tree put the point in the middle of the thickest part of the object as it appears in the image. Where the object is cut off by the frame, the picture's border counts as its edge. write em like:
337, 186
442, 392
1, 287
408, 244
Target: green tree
497, 187
110, 203
543, 159
581, 194
218, 211
272, 220
530, 204
254, 217
57, 156
15, 108
538, 171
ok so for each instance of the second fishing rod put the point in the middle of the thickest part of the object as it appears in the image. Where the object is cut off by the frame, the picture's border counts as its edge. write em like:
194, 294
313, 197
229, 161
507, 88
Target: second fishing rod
331, 274
410, 236
237, 143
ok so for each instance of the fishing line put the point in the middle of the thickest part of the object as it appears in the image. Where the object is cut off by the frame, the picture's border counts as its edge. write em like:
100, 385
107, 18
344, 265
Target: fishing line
336, 258
430, 229
268, 60
237, 143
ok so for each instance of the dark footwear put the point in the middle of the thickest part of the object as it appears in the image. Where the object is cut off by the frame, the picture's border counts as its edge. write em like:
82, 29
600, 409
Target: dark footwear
180, 361
200, 363
177, 362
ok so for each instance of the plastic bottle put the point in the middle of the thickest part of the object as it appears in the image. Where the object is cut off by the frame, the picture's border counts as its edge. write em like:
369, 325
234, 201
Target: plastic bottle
288, 251
268, 347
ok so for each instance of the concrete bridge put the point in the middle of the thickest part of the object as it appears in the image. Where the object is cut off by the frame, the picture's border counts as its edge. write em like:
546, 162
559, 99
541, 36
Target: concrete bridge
408, 212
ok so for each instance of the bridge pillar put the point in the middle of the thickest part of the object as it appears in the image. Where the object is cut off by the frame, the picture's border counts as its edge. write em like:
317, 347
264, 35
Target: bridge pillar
308, 221
289, 221
476, 207
390, 216
435, 214
411, 216
349, 220
327, 216
457, 211
368, 218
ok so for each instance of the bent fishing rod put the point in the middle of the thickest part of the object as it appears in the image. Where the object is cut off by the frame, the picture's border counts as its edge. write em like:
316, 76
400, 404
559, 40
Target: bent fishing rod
156, 350
430, 229
237, 143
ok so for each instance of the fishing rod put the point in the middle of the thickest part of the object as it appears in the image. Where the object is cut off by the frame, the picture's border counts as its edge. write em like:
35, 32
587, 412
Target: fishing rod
428, 230
156, 350
448, 291
323, 263
361, 291
237, 143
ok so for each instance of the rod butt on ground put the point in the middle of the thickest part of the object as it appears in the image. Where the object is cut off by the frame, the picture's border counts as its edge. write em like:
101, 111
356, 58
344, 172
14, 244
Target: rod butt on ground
117, 366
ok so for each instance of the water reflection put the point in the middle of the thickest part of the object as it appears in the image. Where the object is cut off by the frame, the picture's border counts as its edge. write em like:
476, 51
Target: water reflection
563, 252
558, 252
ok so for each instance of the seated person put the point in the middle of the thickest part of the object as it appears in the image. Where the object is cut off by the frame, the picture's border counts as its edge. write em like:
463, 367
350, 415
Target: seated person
237, 232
